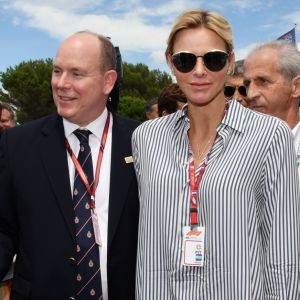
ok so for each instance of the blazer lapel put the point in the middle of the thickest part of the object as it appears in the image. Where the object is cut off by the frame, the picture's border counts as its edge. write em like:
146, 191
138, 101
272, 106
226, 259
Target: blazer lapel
54, 157
121, 174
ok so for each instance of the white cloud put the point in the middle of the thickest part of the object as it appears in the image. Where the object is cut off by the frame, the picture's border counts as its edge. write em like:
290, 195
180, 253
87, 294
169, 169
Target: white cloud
133, 25
243, 52
169, 8
158, 58
128, 31
68, 5
293, 17
249, 4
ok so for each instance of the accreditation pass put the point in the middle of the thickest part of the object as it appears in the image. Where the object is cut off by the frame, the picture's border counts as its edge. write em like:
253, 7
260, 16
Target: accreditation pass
193, 246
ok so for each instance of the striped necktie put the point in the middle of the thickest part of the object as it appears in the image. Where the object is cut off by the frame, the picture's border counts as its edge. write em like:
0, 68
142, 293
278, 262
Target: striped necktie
88, 262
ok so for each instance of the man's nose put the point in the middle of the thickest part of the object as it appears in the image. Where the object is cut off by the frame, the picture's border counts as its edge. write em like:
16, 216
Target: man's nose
63, 81
252, 92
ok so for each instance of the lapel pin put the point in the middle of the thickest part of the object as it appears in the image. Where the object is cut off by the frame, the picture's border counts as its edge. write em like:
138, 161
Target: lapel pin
128, 159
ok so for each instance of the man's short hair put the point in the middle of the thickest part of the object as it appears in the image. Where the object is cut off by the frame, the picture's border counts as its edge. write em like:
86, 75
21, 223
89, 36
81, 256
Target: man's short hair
288, 61
238, 68
150, 103
9, 109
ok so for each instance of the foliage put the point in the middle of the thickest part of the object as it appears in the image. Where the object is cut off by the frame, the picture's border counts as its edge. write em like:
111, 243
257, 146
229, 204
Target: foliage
140, 82
28, 87
132, 107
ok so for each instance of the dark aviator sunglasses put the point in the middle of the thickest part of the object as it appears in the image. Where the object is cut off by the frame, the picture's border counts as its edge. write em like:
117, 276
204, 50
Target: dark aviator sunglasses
229, 90
214, 60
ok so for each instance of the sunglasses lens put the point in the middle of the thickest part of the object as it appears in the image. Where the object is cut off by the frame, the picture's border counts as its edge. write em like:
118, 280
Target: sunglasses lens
215, 60
184, 62
242, 90
229, 91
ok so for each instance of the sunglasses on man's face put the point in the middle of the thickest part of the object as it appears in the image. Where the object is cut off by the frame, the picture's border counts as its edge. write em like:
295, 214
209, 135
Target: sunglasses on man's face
214, 60
229, 90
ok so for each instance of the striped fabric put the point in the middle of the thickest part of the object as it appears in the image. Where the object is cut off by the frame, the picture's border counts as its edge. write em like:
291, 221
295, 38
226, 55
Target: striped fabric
249, 205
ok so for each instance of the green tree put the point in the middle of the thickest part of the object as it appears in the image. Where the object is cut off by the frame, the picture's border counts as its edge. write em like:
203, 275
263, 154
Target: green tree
140, 82
28, 89
132, 107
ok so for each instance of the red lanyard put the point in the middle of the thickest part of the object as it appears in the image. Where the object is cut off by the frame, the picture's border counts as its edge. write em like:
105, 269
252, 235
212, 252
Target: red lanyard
79, 169
195, 182
194, 186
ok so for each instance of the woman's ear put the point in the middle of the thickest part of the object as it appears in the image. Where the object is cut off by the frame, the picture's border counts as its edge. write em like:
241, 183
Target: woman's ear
110, 78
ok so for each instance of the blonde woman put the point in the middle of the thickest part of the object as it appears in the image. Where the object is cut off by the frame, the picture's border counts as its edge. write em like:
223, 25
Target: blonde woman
219, 198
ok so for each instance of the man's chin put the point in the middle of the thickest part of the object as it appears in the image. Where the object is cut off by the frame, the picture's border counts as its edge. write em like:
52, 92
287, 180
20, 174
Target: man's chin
259, 109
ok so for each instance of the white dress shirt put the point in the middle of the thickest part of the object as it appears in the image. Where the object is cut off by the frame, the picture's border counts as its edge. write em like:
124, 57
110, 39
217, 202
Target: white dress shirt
296, 134
102, 191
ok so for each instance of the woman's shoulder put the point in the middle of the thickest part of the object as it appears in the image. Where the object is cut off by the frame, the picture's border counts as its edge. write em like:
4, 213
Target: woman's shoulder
257, 121
260, 120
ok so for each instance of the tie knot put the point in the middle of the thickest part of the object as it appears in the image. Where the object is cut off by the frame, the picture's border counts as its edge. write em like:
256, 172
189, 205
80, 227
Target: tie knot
82, 135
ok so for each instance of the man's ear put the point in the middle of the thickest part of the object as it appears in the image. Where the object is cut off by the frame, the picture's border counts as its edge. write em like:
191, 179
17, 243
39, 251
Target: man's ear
110, 78
296, 87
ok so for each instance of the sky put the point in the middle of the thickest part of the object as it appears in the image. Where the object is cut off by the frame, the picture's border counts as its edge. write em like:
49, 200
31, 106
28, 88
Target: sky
33, 29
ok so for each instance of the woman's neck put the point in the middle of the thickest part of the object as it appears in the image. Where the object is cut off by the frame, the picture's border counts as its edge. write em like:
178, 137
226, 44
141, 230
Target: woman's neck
203, 128
205, 119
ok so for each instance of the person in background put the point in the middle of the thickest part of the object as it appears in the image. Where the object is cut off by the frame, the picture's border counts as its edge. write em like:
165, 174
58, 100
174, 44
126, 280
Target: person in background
0, 115
272, 80
7, 117
234, 86
152, 109
72, 220
170, 100
219, 216
7, 120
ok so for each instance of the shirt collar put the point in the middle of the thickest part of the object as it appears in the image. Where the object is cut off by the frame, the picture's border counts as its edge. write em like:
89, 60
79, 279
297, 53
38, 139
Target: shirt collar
296, 129
234, 117
96, 127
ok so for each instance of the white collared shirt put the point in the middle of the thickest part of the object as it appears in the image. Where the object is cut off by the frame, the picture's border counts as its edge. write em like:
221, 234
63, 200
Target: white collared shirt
296, 134
102, 191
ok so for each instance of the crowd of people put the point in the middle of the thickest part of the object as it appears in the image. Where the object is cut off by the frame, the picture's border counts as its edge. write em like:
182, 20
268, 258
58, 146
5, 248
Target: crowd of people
199, 202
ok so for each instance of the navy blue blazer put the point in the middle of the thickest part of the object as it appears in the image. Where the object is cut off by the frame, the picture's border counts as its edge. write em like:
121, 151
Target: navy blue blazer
37, 216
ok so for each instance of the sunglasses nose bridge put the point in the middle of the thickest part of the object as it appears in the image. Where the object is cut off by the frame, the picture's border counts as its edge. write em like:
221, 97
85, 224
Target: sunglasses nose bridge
237, 95
199, 64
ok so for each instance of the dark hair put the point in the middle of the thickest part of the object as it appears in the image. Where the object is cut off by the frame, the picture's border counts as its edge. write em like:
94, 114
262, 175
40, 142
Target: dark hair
238, 68
168, 98
150, 103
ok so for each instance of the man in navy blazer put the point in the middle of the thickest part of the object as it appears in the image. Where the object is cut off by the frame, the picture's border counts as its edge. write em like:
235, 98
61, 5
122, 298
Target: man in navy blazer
36, 182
